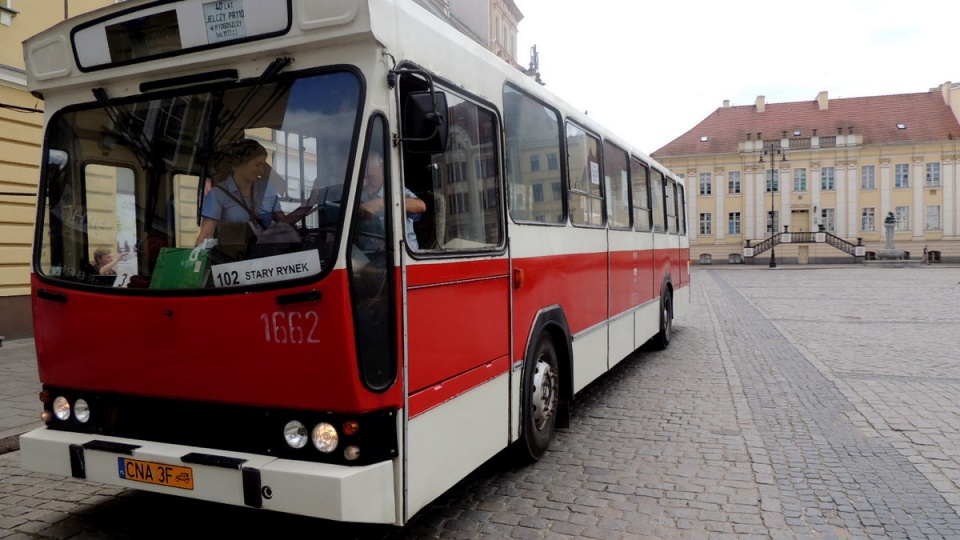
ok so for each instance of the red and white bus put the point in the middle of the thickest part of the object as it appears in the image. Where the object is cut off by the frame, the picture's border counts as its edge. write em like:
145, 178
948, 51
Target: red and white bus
360, 368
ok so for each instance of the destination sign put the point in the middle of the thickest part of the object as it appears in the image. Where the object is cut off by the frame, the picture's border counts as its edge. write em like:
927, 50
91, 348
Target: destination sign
267, 269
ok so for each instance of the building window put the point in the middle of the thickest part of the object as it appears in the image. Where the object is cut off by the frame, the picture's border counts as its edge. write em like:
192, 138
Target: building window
901, 175
868, 219
706, 183
828, 219
706, 224
733, 224
828, 179
799, 179
933, 218
556, 191
868, 177
552, 162
7, 12
538, 193
903, 218
534, 162
773, 180
933, 174
773, 225
733, 182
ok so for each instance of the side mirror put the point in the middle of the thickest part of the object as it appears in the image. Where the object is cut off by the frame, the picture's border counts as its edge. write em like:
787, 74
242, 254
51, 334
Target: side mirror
425, 125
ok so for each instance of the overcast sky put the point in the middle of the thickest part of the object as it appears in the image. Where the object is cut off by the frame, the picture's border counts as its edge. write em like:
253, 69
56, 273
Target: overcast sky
650, 71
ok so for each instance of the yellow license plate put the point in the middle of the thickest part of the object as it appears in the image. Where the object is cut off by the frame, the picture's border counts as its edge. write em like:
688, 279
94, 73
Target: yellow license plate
155, 473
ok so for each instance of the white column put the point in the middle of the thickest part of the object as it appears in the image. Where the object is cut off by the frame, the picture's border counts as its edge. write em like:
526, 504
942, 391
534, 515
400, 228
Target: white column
840, 184
918, 176
948, 178
814, 184
749, 188
786, 188
853, 179
693, 194
721, 194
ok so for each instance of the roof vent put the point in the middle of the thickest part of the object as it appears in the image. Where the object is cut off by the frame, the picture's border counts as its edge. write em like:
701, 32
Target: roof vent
704, 138
901, 125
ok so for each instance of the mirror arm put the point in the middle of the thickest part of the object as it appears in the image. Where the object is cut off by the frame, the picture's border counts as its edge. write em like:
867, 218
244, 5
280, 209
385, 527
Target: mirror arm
437, 119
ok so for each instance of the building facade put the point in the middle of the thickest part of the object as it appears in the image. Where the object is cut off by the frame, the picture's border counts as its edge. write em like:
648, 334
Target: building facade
21, 119
491, 23
841, 166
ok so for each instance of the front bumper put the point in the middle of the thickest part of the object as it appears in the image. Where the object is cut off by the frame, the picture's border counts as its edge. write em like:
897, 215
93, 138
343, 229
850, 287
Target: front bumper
350, 494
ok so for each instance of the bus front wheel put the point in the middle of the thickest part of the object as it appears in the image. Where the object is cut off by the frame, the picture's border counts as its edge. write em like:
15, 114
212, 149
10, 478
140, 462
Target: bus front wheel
541, 398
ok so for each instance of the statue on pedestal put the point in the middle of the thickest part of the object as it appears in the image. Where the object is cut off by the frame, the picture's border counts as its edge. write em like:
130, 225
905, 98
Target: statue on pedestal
890, 252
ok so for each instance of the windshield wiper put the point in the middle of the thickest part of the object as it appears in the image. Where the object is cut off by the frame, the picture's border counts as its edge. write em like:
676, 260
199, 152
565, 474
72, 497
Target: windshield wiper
122, 127
272, 70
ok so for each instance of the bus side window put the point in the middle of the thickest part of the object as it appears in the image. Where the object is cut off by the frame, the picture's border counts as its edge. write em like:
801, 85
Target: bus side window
657, 203
617, 186
533, 159
461, 186
670, 198
585, 198
640, 183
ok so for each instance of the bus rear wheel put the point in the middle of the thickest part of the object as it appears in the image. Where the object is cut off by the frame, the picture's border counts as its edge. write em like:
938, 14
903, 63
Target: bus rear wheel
540, 399
661, 341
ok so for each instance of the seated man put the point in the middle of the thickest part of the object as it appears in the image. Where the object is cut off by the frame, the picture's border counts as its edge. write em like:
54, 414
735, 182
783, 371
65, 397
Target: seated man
371, 200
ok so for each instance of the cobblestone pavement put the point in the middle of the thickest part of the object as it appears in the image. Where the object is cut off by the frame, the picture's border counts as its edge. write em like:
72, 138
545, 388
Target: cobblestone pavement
792, 403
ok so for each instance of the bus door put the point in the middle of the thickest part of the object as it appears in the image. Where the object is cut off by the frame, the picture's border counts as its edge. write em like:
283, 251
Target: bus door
457, 295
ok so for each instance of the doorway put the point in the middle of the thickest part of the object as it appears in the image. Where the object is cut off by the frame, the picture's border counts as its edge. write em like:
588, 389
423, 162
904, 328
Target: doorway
799, 220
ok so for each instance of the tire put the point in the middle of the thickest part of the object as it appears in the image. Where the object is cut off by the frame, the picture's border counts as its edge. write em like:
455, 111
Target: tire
541, 397
661, 341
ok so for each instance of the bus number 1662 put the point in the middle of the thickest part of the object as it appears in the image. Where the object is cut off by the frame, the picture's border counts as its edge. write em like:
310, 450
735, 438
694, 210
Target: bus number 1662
290, 328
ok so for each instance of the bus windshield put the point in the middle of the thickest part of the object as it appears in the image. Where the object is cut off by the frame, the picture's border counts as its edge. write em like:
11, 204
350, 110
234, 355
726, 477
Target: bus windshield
230, 186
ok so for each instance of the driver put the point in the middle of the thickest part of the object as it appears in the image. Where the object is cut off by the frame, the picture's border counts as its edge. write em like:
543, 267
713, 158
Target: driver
245, 194
371, 200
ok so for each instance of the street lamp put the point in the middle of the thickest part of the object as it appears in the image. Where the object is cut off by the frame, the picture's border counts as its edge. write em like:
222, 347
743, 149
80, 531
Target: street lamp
771, 151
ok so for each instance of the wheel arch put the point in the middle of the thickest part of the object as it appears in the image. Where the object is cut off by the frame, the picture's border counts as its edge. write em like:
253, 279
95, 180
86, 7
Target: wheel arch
553, 321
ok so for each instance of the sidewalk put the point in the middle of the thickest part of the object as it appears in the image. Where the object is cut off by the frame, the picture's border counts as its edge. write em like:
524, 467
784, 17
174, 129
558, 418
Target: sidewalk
20, 405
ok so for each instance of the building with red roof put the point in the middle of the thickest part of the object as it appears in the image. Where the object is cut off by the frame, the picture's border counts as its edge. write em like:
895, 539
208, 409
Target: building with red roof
836, 165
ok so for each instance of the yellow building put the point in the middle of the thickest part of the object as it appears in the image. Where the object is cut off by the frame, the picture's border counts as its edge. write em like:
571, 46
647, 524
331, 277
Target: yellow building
836, 165
21, 119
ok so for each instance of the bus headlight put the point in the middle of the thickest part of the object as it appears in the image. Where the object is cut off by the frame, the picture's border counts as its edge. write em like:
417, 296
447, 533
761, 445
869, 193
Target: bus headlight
81, 411
324, 437
295, 433
61, 408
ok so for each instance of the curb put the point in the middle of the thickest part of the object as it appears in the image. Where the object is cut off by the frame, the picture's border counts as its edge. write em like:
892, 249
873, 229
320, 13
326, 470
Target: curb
10, 439
9, 444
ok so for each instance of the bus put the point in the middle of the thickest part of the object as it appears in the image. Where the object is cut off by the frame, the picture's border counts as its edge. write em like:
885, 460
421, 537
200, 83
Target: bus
359, 368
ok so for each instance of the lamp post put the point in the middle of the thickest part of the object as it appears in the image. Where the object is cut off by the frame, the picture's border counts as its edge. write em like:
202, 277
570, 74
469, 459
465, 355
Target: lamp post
771, 151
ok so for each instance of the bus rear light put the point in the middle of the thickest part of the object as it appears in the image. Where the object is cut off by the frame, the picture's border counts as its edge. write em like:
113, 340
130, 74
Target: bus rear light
324, 437
46, 416
350, 427
61, 408
351, 453
295, 433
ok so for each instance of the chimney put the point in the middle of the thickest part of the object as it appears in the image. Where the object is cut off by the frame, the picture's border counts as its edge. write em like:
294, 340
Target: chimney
761, 103
823, 101
726, 103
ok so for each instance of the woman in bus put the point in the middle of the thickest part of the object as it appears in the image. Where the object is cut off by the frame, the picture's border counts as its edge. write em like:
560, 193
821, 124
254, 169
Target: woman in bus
244, 195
